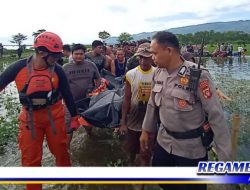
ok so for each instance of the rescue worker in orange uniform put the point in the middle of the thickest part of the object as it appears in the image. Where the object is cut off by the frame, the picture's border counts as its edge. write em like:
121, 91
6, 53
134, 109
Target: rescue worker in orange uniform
41, 84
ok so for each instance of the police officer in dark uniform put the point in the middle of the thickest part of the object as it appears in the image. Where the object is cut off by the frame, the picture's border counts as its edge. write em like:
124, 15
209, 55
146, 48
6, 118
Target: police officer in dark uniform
181, 111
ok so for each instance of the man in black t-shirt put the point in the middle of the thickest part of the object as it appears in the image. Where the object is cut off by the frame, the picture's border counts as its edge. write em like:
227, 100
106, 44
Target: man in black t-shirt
96, 55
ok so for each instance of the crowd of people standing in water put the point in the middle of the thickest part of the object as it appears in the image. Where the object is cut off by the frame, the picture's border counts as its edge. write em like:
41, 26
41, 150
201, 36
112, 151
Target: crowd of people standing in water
226, 49
162, 118
221, 50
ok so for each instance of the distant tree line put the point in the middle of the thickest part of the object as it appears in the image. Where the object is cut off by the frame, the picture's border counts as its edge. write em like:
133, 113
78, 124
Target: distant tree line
212, 37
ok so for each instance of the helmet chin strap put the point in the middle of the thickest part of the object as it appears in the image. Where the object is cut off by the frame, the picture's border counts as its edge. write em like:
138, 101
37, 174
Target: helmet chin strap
46, 60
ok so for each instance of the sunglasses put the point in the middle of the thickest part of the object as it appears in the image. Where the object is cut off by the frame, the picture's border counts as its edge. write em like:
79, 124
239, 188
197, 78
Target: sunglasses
142, 50
142, 57
55, 55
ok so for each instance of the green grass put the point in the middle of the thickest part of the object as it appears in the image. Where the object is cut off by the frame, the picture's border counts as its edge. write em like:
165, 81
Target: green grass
8, 120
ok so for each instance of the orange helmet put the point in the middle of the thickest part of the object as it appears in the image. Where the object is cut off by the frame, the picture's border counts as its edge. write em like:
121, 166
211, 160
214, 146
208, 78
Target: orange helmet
49, 40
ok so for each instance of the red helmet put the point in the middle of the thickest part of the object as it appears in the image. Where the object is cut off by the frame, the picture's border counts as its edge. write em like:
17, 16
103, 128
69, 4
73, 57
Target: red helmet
49, 40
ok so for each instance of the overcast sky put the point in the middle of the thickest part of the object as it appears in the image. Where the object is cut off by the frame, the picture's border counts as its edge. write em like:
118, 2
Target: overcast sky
79, 21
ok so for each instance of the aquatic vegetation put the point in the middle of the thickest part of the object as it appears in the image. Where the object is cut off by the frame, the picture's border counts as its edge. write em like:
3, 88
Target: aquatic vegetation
8, 119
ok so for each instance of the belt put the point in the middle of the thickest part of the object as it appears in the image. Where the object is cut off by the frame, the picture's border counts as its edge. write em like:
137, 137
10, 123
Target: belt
191, 134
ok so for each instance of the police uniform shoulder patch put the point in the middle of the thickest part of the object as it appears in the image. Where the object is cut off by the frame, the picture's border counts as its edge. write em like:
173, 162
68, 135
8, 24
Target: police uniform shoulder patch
205, 89
182, 70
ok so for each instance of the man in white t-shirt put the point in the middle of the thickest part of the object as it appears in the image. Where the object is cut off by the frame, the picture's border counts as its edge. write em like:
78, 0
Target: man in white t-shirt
137, 93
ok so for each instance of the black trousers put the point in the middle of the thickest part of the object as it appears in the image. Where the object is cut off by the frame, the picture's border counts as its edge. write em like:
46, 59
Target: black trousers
163, 158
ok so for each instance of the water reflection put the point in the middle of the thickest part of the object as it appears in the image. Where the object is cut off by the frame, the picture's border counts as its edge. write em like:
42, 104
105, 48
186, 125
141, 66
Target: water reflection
237, 67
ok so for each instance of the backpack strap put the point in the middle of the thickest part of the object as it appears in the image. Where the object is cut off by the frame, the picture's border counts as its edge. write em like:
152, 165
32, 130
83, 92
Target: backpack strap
29, 66
52, 123
51, 71
30, 121
29, 111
